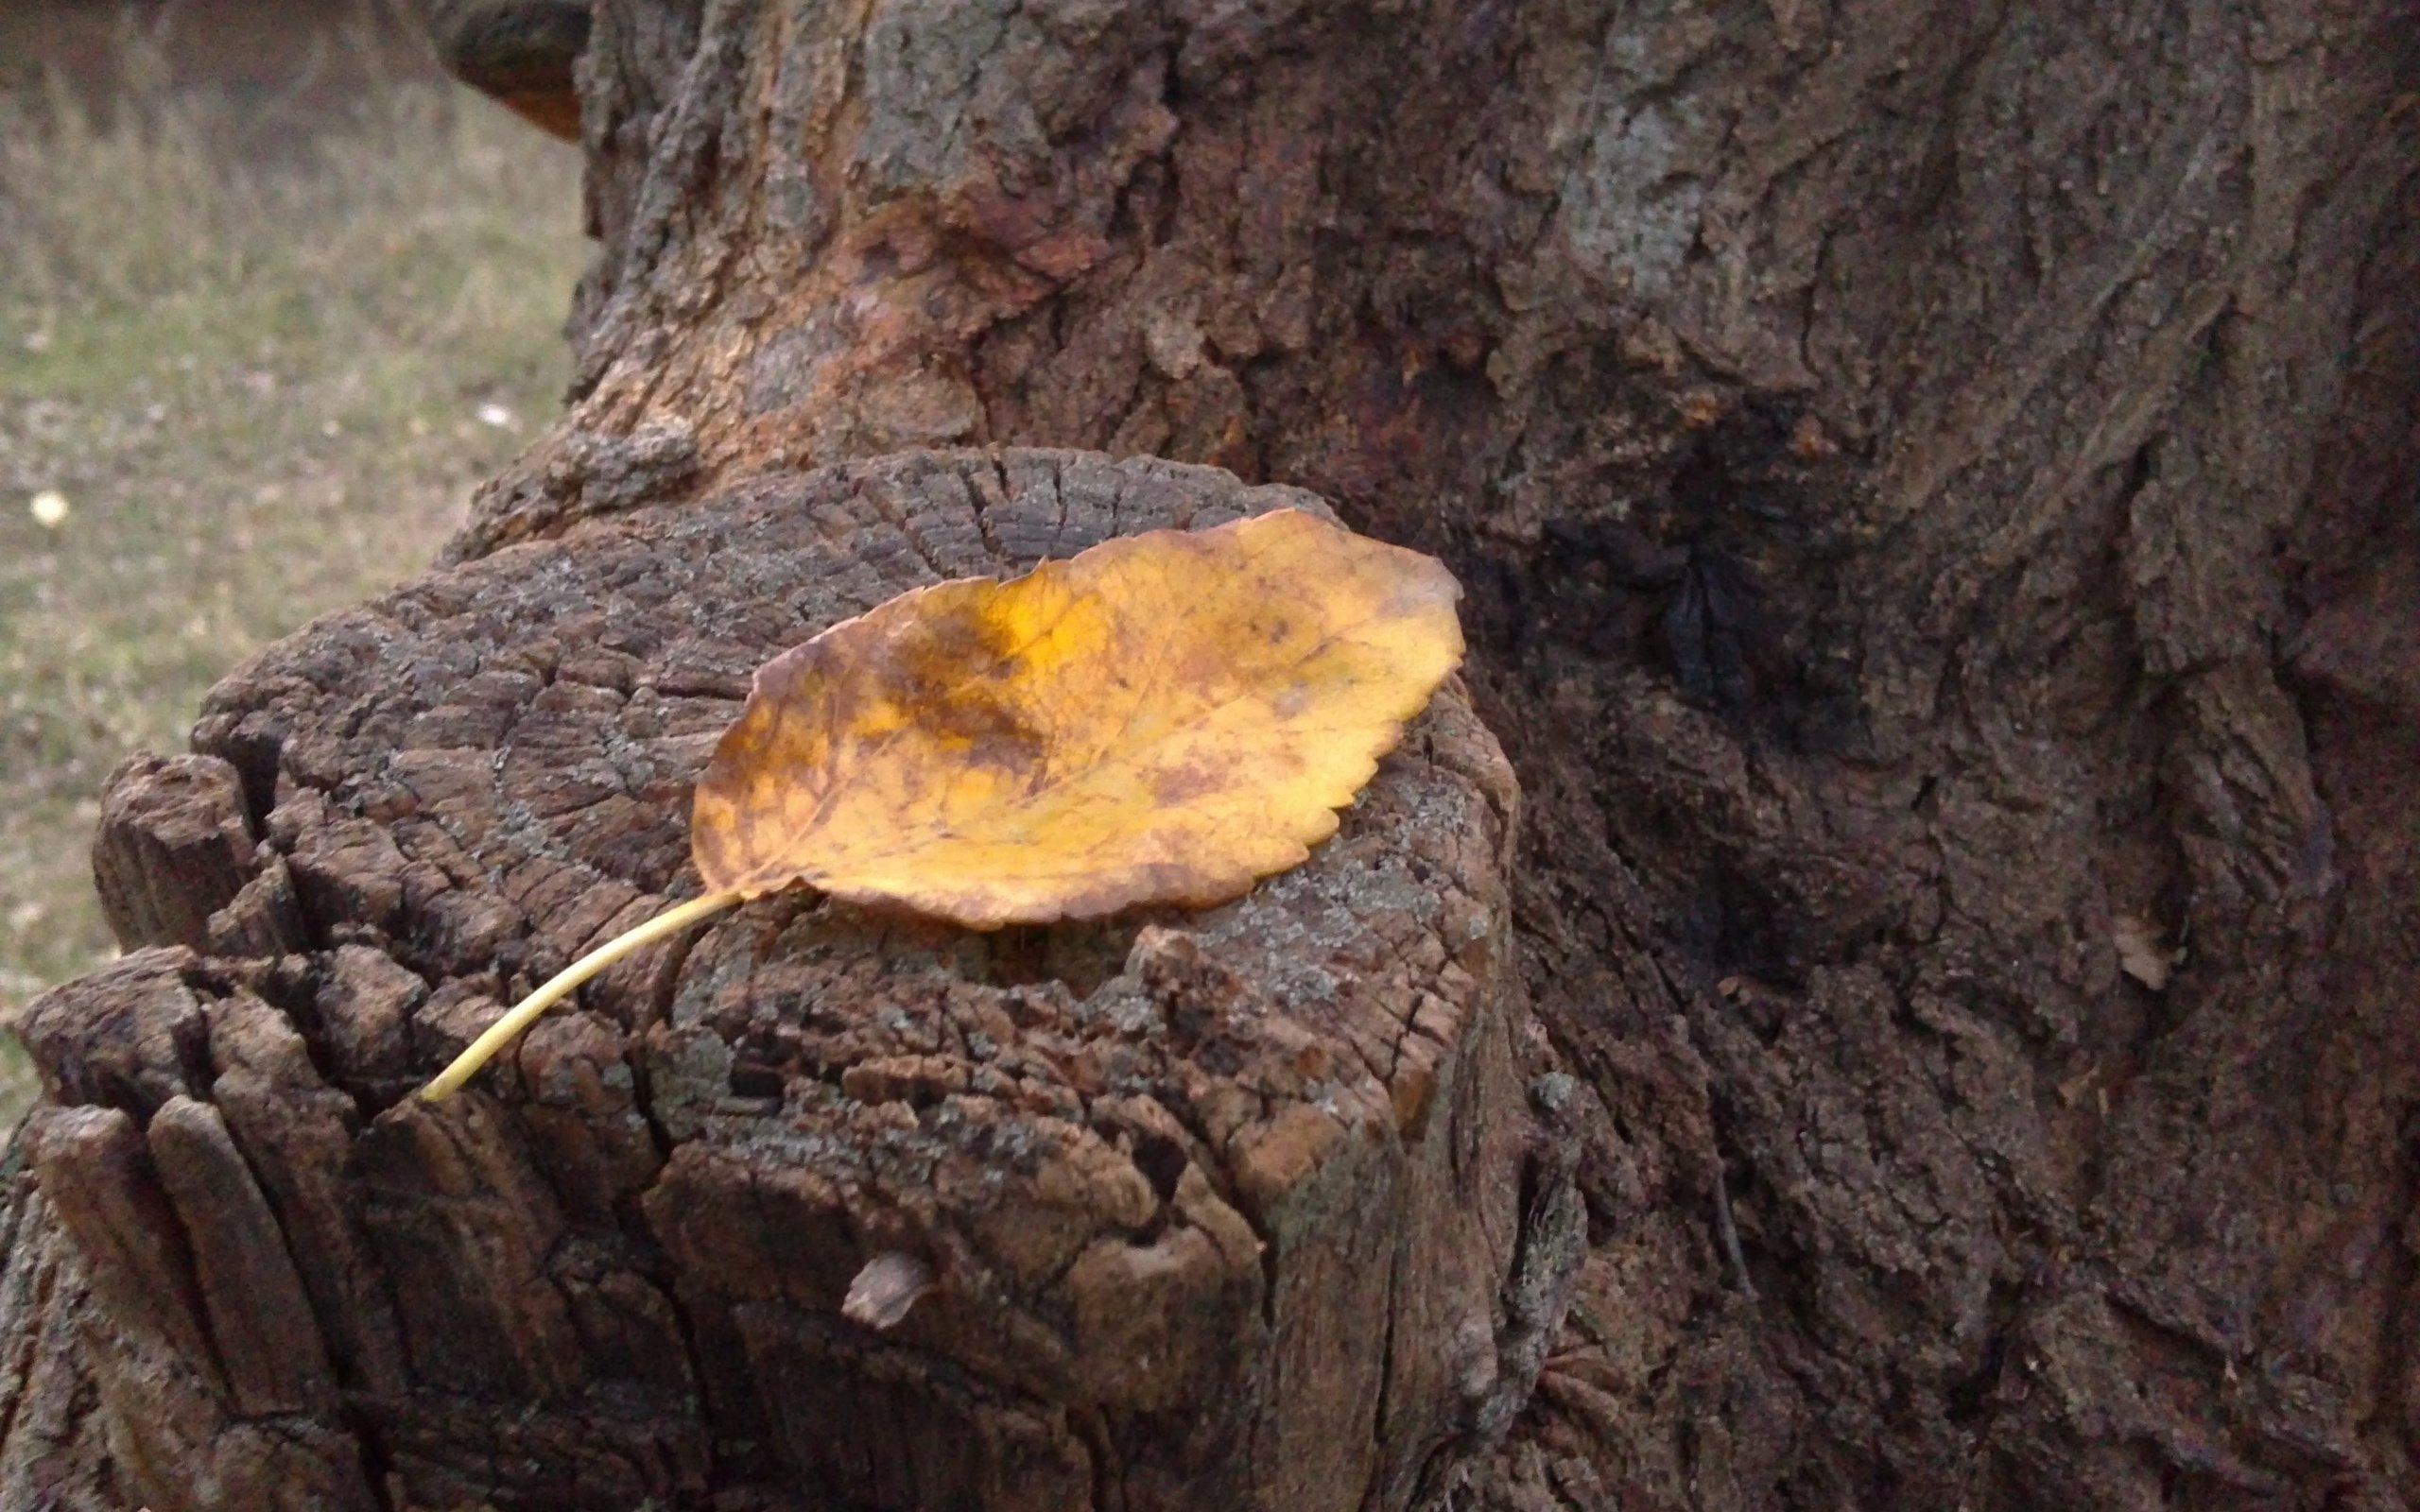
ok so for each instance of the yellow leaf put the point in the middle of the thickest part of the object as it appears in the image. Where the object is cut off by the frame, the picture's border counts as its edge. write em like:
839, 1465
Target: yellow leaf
1164, 718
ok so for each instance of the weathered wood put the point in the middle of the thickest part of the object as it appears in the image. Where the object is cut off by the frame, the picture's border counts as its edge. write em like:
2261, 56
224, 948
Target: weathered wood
153, 1414
1176, 1191
174, 846
55, 1453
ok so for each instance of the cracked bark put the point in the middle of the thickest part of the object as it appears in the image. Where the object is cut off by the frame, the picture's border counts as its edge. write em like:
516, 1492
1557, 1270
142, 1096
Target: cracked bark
1170, 1184
1935, 485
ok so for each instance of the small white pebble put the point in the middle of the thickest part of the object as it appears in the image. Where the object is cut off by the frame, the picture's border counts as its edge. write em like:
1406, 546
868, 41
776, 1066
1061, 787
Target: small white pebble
886, 1288
495, 415
49, 508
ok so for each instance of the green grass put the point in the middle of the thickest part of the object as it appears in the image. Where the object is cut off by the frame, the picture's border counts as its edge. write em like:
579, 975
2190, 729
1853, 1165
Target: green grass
264, 390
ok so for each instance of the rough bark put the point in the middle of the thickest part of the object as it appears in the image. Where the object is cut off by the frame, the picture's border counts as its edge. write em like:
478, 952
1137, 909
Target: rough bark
1936, 487
175, 847
821, 1207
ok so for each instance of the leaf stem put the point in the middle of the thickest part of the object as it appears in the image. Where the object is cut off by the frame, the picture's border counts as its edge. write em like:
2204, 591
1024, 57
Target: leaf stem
563, 983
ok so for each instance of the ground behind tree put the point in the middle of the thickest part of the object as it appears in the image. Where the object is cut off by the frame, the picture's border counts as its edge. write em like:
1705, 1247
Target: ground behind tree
270, 315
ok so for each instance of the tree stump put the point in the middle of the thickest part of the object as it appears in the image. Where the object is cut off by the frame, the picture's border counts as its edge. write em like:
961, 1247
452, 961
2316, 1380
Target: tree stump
819, 1207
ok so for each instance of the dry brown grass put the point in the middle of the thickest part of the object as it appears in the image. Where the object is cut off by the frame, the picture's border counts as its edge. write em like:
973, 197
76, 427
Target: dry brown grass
262, 389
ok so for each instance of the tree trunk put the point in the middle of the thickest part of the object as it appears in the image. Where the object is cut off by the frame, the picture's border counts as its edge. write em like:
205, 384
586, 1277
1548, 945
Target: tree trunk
1935, 489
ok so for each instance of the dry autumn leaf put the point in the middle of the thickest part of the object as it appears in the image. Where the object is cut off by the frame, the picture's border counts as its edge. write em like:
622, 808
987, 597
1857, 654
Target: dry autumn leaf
1164, 718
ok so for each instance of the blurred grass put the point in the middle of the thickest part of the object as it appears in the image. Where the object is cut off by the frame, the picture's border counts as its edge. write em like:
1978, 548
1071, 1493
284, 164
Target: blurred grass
263, 384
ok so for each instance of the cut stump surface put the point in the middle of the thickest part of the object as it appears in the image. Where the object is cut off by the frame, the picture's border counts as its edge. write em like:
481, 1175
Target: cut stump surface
1205, 1210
